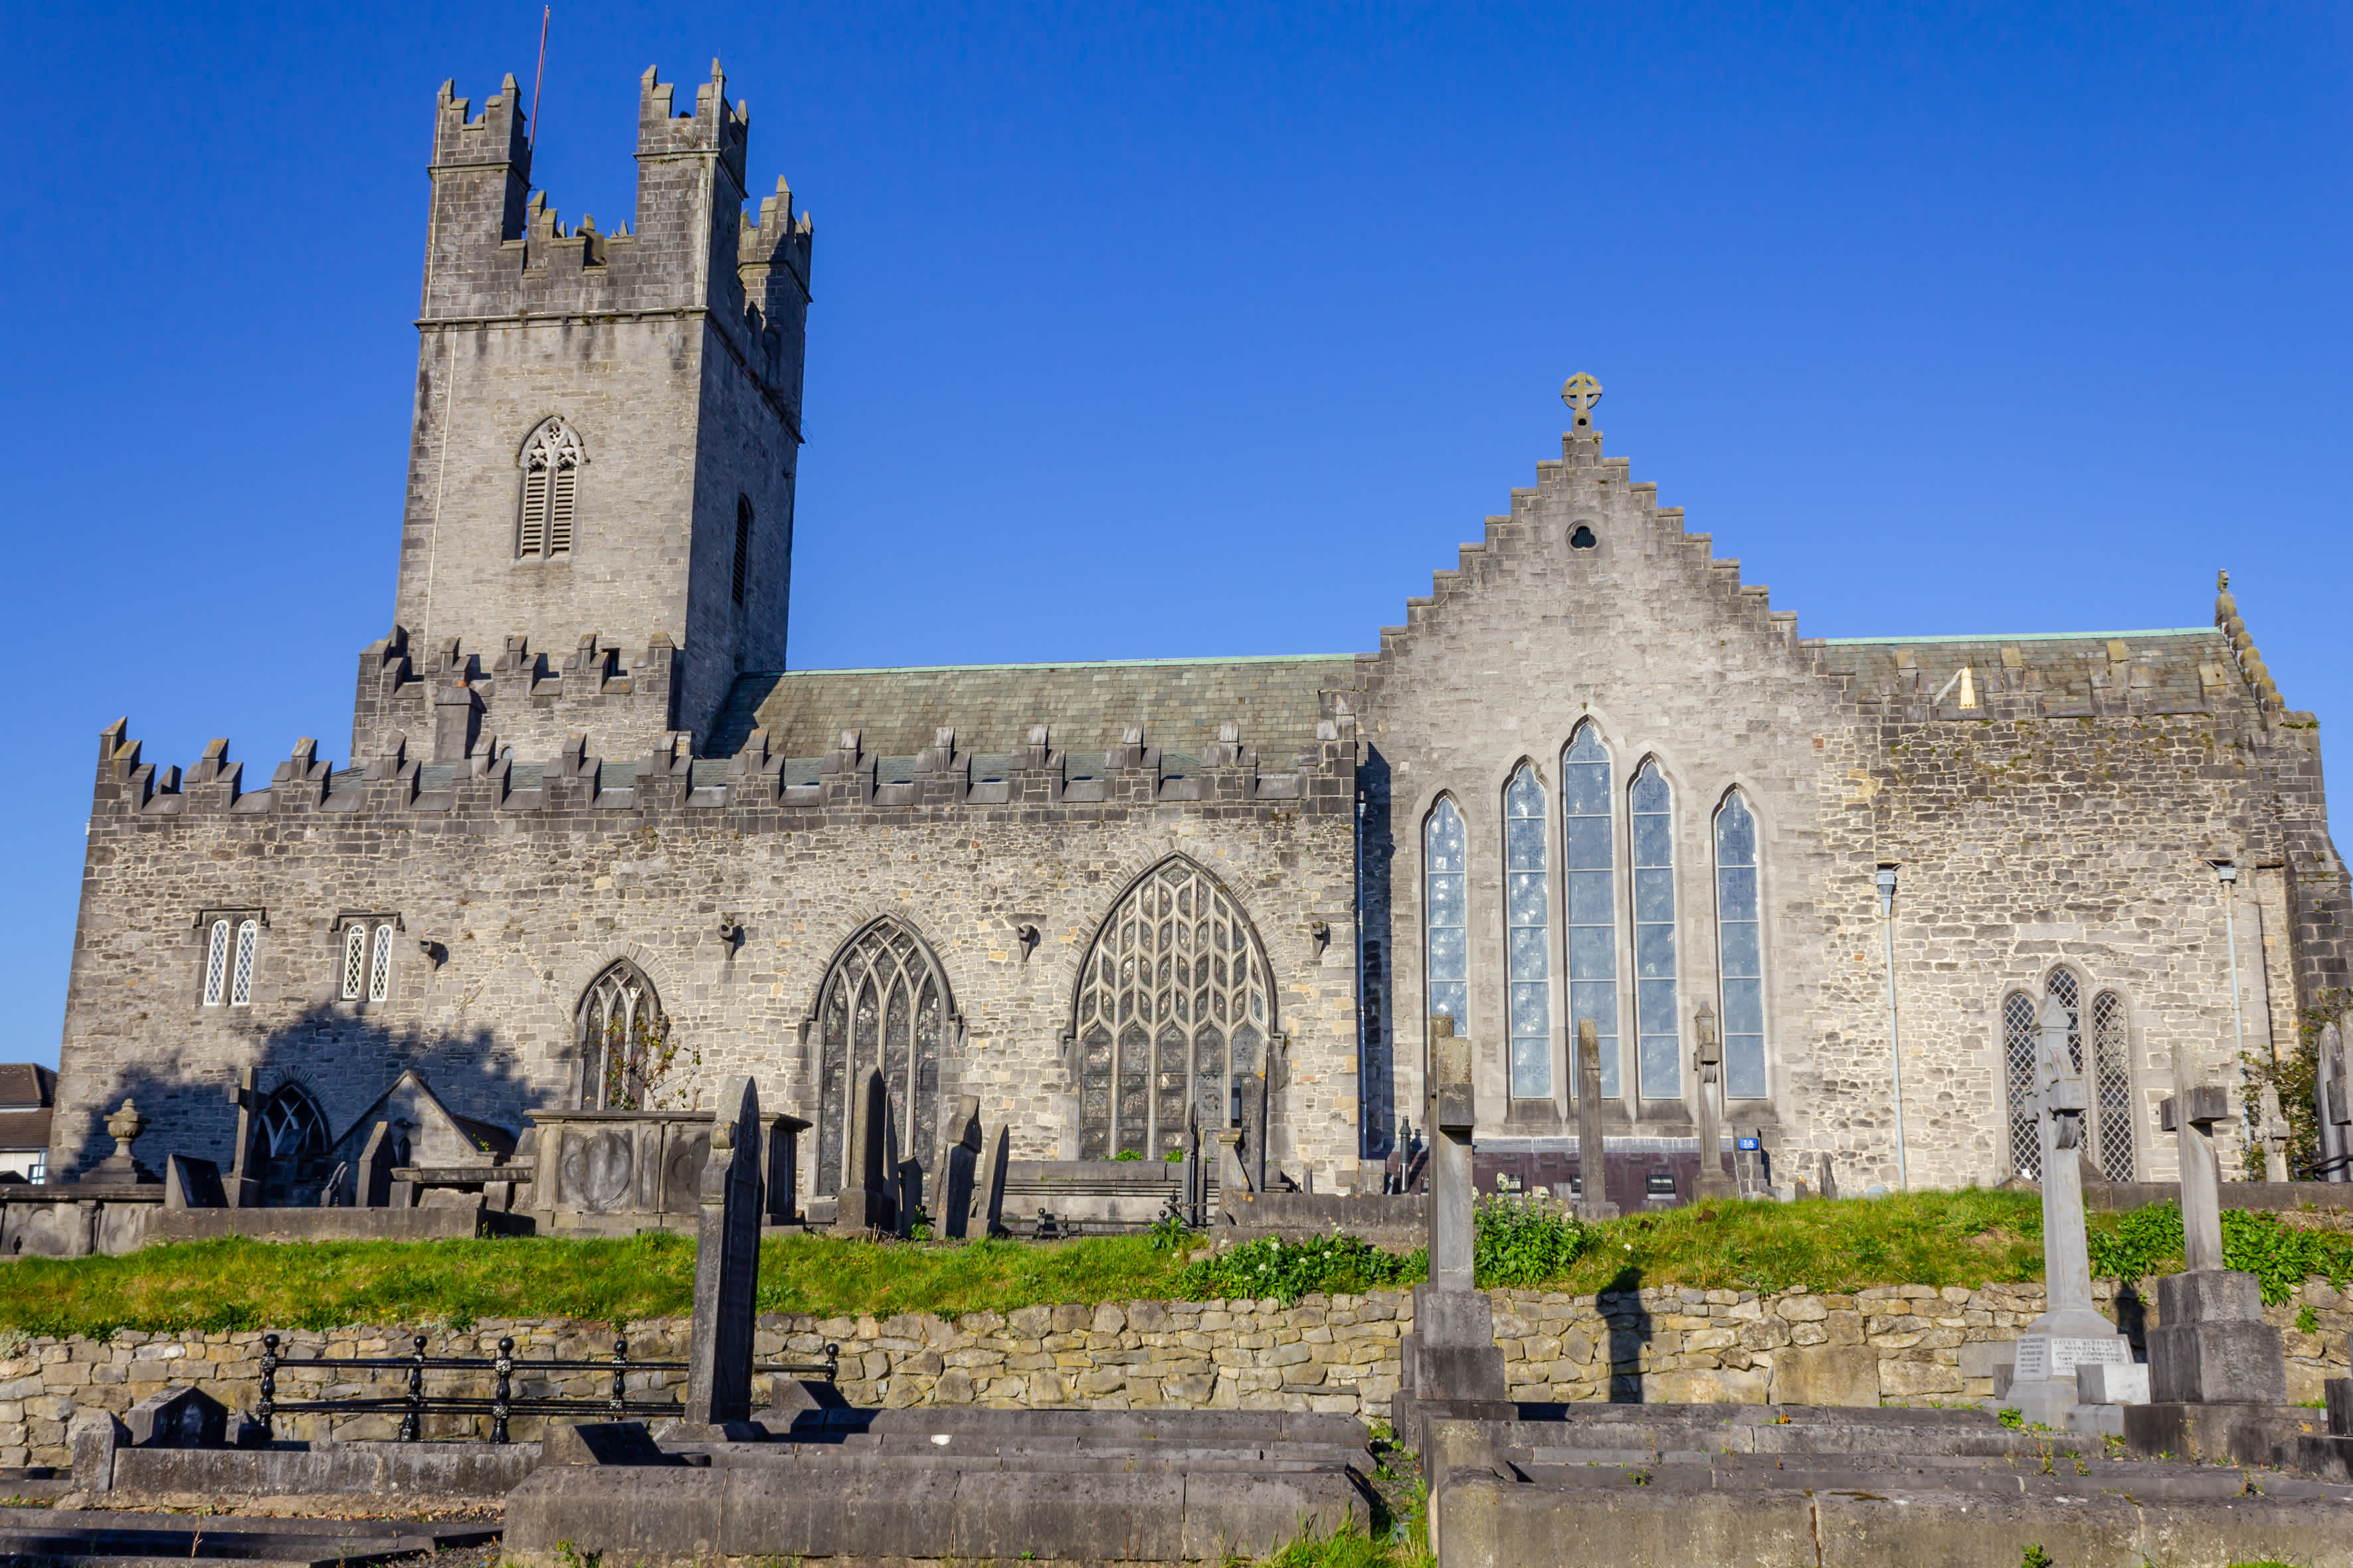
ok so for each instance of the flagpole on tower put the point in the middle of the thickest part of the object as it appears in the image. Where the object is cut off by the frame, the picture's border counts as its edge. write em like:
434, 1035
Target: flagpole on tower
538, 78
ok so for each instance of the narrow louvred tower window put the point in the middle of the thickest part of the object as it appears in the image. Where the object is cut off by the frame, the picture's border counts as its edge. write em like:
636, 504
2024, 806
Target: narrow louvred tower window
551, 485
742, 545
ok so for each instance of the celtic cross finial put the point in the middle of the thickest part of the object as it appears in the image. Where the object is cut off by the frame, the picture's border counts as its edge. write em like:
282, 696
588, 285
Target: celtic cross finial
1581, 392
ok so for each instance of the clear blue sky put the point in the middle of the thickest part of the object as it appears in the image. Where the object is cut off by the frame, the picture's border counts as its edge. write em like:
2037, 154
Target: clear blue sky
1189, 330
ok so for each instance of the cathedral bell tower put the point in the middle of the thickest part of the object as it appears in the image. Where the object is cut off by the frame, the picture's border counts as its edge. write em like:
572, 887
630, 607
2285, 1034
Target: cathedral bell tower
599, 528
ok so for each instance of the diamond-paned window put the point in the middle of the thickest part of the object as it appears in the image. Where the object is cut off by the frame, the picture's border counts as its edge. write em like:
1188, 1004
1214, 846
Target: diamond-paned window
354, 962
379, 965
2112, 1096
240, 982
216, 964
2018, 1045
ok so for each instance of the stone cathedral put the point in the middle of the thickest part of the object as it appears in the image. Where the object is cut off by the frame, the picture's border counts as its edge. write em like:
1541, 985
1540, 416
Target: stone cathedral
596, 844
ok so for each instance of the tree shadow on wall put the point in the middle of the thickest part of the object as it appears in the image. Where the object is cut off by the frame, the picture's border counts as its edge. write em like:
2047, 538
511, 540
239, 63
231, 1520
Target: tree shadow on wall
321, 1083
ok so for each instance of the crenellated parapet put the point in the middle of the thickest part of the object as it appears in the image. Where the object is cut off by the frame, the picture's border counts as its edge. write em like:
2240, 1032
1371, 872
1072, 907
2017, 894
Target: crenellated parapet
462, 705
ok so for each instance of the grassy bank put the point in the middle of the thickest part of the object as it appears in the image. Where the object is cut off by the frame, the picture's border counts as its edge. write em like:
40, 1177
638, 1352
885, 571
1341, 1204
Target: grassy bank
1967, 1239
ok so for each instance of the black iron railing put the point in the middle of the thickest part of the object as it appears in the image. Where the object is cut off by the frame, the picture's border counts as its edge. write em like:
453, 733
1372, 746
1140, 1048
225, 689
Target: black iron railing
503, 1403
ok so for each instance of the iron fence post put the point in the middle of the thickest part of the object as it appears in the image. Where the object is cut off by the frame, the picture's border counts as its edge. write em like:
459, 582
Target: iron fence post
621, 1377
503, 1394
412, 1424
268, 1400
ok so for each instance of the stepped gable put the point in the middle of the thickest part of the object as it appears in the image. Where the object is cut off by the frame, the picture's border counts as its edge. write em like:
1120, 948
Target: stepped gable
1180, 704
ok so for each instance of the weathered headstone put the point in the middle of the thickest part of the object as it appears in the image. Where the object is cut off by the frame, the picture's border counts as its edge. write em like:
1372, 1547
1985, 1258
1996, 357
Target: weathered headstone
2211, 1345
726, 1263
2274, 1134
1592, 1161
958, 1169
2333, 1105
864, 1205
1707, 1055
2072, 1332
1829, 1176
988, 1203
242, 1189
906, 1196
375, 1183
1450, 1364
192, 1183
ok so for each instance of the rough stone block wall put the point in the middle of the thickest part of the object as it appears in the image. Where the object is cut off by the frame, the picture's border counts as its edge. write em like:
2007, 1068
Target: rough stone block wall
1336, 1354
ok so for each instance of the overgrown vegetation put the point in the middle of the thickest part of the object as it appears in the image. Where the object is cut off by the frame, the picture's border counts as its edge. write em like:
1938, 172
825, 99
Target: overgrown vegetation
2292, 1076
1969, 1238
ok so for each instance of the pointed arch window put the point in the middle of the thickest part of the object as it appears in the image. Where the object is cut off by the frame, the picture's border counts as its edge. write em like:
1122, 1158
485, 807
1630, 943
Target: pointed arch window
291, 1146
885, 1006
2112, 1096
240, 977
1527, 905
551, 485
624, 1039
1446, 929
1590, 846
2109, 1126
2018, 1047
1174, 999
216, 964
367, 961
1658, 1036
1740, 948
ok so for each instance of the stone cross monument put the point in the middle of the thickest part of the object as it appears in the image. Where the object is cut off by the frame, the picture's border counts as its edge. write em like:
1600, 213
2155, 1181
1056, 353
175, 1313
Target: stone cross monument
1451, 1365
2211, 1345
1707, 1055
726, 1263
2072, 1332
1593, 1202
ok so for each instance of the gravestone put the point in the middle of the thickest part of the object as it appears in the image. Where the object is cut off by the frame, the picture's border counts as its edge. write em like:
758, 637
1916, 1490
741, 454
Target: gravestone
1592, 1159
726, 1263
1449, 1364
242, 1188
1193, 1193
2072, 1332
377, 1161
2274, 1134
2333, 1106
988, 1203
864, 1205
956, 1170
1829, 1176
2211, 1345
192, 1183
1708, 1057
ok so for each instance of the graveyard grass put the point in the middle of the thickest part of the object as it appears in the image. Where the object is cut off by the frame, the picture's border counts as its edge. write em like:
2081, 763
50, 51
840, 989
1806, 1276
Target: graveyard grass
1969, 1237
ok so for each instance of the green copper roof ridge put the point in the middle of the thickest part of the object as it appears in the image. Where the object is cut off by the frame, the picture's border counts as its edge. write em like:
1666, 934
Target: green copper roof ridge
1071, 664
2018, 636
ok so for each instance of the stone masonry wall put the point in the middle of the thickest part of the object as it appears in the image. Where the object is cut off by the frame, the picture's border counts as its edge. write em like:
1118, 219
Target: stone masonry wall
1336, 1354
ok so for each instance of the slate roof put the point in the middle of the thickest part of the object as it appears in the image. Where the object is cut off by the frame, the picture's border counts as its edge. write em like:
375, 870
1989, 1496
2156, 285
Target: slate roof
2071, 670
1180, 703
28, 1083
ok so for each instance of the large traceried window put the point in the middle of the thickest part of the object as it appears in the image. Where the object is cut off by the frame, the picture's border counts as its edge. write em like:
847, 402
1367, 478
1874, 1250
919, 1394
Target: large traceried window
1445, 924
884, 1006
240, 978
1657, 1034
1740, 949
2109, 1126
551, 485
1527, 905
291, 1149
623, 1038
216, 964
1173, 998
1588, 840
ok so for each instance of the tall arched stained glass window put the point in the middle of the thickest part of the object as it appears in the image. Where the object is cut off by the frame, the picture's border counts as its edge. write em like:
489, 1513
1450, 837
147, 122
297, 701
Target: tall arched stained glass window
1447, 932
1527, 905
884, 1006
1659, 1041
1589, 844
1741, 953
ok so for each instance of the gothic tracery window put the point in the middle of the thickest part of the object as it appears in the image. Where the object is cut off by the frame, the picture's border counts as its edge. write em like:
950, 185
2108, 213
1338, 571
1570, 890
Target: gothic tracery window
885, 1006
1658, 1035
1590, 845
1172, 1001
1446, 934
624, 1039
290, 1147
1527, 905
1740, 950
550, 482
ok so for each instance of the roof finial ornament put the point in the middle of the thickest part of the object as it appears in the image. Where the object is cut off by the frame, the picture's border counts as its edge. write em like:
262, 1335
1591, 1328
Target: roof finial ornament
2226, 608
1581, 392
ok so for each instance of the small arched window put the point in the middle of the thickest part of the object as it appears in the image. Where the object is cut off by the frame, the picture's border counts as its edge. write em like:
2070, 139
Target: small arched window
551, 485
2018, 1051
1658, 1034
355, 949
1527, 906
1738, 945
884, 1005
1590, 843
624, 1039
367, 962
1445, 925
216, 964
741, 575
240, 979
1174, 992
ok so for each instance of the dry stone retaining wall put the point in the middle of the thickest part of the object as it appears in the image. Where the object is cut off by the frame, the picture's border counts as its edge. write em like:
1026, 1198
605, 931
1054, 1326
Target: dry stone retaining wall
1338, 1354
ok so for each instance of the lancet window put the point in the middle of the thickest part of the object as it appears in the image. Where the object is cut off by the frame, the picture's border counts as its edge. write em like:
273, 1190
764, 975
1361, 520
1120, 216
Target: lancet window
216, 964
1527, 905
240, 975
1174, 1009
1446, 929
624, 1039
367, 961
1590, 846
1659, 1038
551, 483
884, 1006
1740, 950
2108, 1076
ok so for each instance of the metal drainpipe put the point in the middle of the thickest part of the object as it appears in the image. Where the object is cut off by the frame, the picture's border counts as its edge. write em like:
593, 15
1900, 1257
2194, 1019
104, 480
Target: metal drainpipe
1894, 1042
